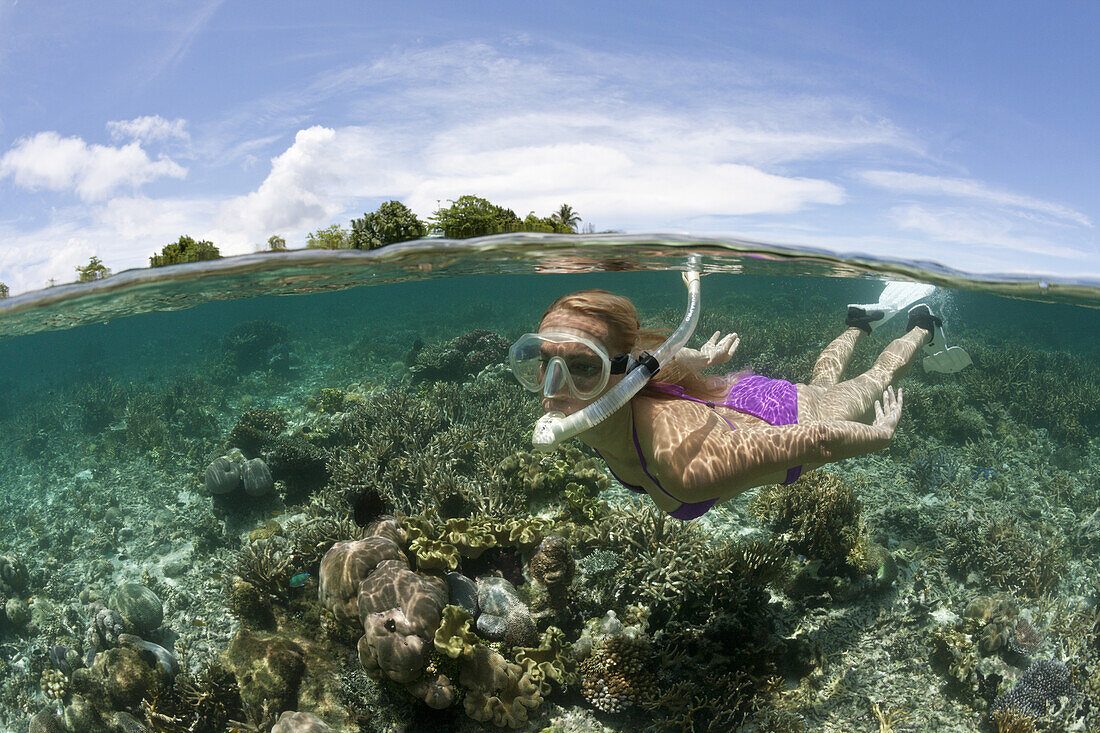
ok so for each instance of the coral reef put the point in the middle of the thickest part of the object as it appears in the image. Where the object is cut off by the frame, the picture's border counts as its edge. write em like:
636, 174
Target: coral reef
618, 674
996, 620
552, 565
497, 691
1001, 551
299, 464
459, 358
268, 669
346, 565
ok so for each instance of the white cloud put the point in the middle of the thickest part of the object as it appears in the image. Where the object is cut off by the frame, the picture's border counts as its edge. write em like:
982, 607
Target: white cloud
965, 188
149, 128
645, 169
985, 229
47, 160
310, 182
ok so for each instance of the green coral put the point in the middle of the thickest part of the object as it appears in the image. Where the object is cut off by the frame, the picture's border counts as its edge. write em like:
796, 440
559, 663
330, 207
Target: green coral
525, 532
454, 637
552, 660
547, 477
434, 555
470, 537
499, 691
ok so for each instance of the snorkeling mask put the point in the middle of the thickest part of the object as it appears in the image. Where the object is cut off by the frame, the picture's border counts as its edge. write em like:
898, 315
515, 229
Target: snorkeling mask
555, 362
554, 427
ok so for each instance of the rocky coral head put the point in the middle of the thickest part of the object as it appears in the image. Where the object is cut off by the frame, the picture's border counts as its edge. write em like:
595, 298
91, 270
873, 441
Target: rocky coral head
552, 565
346, 565
400, 611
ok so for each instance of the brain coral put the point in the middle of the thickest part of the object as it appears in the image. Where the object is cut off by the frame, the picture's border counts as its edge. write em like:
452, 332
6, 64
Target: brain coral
345, 566
400, 611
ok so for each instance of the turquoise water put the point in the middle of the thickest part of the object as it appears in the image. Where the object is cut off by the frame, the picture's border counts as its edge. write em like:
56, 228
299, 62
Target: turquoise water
970, 540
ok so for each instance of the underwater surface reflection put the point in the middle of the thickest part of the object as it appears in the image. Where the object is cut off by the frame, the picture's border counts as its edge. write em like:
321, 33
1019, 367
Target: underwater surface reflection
282, 486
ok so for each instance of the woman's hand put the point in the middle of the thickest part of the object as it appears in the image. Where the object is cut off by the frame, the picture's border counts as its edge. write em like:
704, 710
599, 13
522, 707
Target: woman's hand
888, 411
717, 350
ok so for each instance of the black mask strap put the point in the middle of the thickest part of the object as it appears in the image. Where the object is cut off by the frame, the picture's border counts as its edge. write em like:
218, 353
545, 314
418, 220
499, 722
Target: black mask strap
620, 363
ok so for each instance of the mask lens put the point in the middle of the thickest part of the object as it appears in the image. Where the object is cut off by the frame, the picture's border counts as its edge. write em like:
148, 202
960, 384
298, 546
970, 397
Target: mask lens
554, 363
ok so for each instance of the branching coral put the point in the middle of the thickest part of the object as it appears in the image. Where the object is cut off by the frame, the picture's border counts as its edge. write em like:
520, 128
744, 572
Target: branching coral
1037, 690
1000, 550
314, 538
302, 466
670, 567
266, 564
203, 703
819, 514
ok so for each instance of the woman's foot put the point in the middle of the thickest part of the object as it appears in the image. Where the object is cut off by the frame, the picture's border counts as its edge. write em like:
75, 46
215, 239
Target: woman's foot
921, 316
941, 357
865, 319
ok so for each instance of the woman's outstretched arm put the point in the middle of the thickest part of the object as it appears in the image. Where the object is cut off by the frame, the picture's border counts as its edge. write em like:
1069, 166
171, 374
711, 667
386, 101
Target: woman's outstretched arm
699, 462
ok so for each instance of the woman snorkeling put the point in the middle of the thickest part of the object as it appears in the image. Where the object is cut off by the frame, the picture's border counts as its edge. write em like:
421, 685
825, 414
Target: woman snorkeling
691, 441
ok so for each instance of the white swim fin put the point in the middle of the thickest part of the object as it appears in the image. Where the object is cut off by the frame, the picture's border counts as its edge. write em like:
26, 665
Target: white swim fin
943, 358
895, 297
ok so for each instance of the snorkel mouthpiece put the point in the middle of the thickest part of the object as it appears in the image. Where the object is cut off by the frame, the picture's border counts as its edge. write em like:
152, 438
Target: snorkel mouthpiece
555, 427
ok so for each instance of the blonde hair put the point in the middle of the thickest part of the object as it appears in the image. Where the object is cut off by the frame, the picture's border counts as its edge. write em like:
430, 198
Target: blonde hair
626, 335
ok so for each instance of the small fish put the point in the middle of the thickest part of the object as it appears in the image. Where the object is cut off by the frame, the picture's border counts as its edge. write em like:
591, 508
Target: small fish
198, 622
299, 580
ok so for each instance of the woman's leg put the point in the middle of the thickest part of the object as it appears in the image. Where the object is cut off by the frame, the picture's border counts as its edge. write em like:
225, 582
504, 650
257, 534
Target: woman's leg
830, 365
855, 398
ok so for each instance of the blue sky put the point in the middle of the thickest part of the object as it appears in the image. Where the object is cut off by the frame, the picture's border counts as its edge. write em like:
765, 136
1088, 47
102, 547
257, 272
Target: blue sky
966, 133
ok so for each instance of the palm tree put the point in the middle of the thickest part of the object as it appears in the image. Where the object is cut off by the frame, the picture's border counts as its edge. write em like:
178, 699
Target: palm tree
566, 218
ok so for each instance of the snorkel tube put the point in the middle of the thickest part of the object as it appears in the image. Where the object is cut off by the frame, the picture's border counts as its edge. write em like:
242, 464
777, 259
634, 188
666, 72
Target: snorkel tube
554, 427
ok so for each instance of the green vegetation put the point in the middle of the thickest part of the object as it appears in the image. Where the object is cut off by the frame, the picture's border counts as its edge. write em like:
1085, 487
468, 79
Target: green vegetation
275, 243
392, 222
333, 237
4, 292
472, 216
566, 218
185, 250
94, 270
